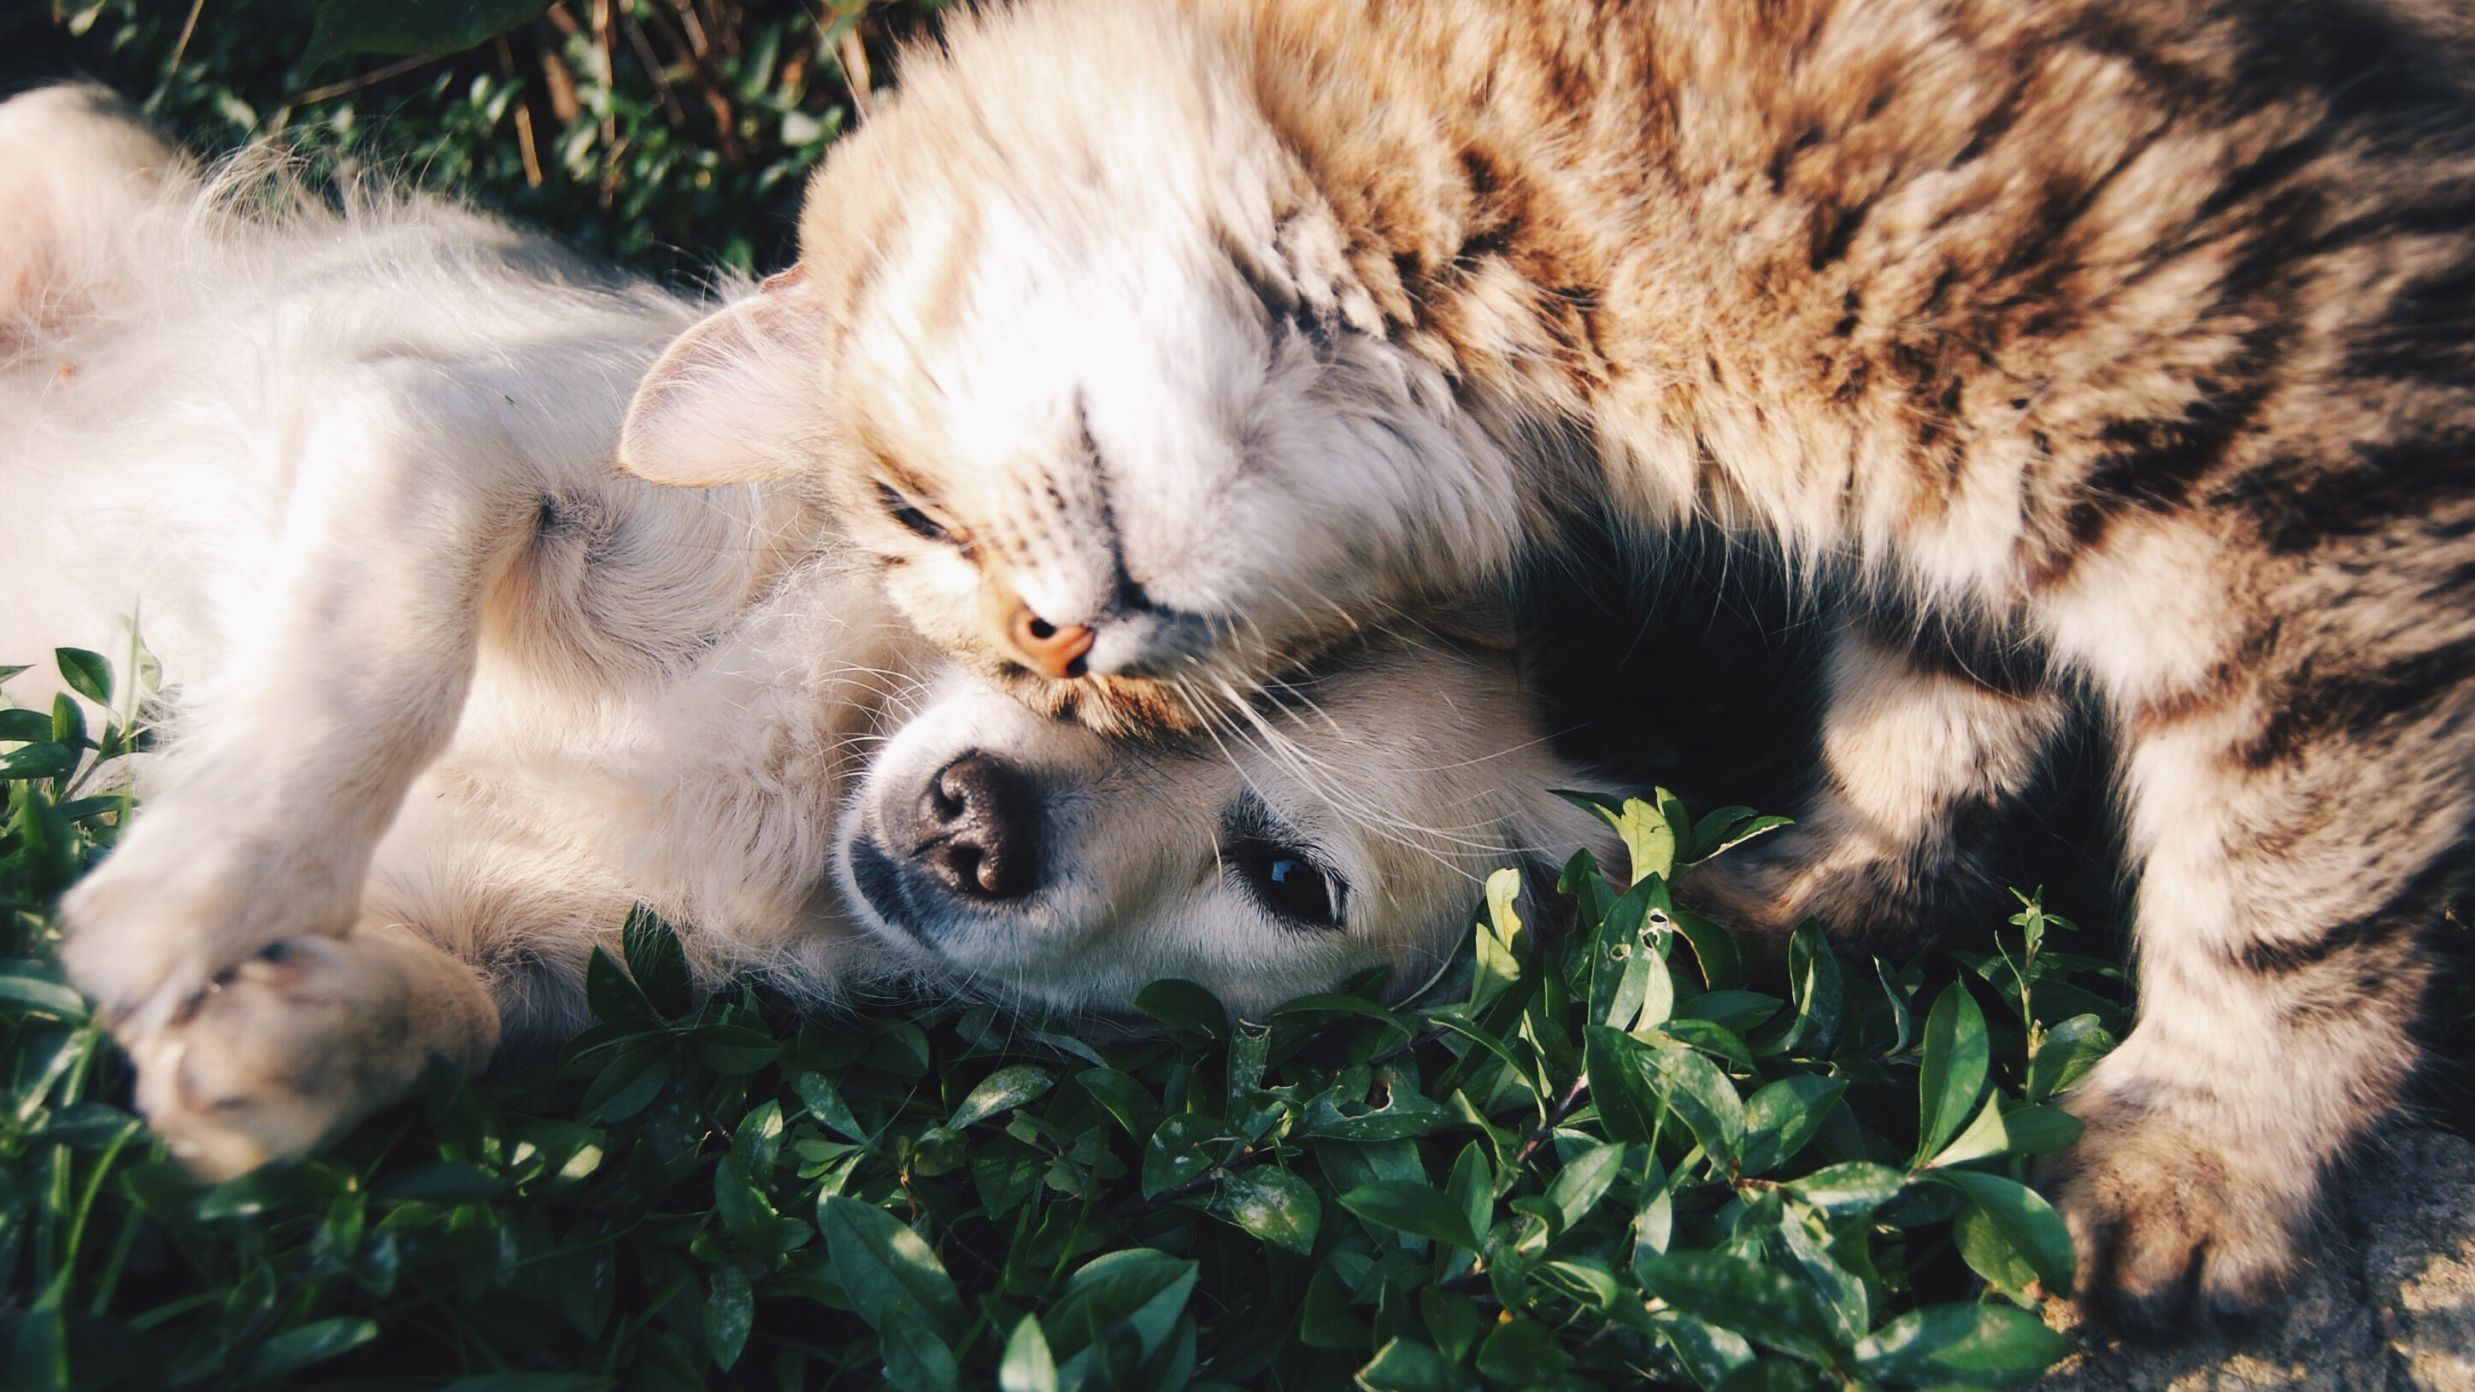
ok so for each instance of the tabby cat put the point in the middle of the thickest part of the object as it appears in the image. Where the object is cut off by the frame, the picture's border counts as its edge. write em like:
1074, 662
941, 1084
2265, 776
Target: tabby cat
2115, 351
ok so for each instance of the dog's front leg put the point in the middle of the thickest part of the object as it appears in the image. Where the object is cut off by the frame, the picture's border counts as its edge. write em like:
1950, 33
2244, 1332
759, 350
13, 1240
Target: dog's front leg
401, 500
291, 1048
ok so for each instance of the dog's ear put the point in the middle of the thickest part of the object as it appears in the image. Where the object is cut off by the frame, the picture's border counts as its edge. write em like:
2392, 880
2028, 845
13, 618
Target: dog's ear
734, 399
79, 170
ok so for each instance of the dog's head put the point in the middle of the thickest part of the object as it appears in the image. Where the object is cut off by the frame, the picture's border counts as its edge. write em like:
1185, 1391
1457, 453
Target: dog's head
1343, 824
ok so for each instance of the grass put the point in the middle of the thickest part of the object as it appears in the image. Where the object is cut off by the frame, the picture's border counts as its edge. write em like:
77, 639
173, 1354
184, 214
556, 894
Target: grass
1611, 1159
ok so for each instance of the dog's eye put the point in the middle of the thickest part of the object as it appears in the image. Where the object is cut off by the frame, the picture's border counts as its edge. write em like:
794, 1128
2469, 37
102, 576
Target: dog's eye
1289, 884
906, 512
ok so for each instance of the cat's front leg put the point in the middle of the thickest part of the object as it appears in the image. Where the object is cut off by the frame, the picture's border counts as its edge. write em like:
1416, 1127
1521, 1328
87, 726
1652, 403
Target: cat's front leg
289, 1049
2296, 837
1919, 751
292, 757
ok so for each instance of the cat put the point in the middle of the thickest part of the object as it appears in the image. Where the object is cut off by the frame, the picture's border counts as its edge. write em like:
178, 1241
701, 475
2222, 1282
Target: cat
2086, 351
450, 696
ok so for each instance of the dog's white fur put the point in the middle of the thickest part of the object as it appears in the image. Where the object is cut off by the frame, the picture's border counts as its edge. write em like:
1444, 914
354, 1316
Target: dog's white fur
451, 693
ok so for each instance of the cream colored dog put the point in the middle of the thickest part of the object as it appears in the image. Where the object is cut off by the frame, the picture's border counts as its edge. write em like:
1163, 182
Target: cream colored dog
451, 693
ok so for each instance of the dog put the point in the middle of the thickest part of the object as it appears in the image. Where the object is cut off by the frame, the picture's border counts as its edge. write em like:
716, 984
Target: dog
449, 693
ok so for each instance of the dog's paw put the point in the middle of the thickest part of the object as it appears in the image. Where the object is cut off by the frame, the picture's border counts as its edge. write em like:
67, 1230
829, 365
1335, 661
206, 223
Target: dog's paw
2178, 1223
278, 1055
171, 912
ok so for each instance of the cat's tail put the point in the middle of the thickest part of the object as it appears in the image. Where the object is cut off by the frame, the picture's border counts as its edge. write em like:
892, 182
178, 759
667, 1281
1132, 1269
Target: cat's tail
81, 179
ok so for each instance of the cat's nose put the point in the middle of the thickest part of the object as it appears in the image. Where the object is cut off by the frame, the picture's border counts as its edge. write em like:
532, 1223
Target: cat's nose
978, 829
1056, 649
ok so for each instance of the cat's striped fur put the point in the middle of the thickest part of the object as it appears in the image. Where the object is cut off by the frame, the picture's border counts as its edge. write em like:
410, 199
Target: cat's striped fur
2125, 340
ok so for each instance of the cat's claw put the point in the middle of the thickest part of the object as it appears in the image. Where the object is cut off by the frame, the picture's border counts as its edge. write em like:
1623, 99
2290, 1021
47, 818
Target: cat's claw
2174, 1228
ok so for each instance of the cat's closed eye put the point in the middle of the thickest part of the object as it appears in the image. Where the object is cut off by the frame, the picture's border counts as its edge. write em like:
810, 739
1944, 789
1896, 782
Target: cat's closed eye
910, 516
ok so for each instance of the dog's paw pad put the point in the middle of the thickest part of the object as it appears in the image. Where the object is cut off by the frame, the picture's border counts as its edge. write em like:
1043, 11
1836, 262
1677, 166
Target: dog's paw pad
276, 1054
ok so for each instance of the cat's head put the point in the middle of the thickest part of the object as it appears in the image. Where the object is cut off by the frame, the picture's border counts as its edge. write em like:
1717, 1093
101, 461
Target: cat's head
1347, 823
1075, 349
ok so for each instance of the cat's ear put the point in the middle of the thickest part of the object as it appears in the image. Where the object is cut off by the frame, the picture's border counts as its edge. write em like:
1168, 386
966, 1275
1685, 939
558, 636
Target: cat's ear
734, 399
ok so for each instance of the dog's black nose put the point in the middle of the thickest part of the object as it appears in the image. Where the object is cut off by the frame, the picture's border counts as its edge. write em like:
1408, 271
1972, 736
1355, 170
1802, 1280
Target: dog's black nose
978, 831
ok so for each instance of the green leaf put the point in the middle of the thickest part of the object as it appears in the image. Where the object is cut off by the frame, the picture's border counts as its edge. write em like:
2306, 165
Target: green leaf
1805, 1238
1585, 1281
1953, 1074
734, 1050
441, 1182
1857, 1186
1360, 1006
1453, 1320
2040, 1130
630, 1081
2067, 1053
1277, 1207
68, 724
1649, 839
1722, 966
1002, 1091
1782, 1118
1131, 1103
2010, 1235
1582, 1182
1701, 1096
24, 726
1421, 1210
432, 26
883, 1265
1324, 1320
1405, 1365
298, 1348
1183, 1005
1629, 1106
917, 1358
1709, 1353
730, 1312
1499, 940
1185, 1146
87, 674
614, 995
1820, 993
1522, 1353
1765, 1305
1983, 1137
1727, 828
38, 989
1028, 1366
45, 760
1140, 1287
1769, 1375
824, 1102
1981, 1344
533, 1383
1405, 1115
657, 962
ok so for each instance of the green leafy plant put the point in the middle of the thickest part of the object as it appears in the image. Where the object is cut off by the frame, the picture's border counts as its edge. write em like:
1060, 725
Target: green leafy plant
637, 128
1622, 1152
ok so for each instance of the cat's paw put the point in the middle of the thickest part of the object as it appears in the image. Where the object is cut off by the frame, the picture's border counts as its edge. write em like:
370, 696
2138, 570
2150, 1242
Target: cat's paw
279, 1054
1868, 895
2177, 1219
182, 902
